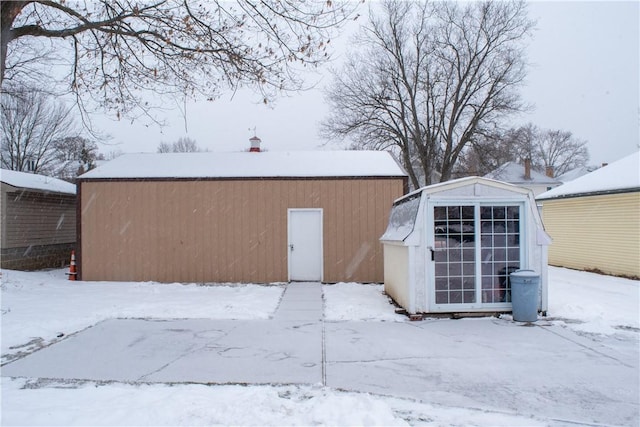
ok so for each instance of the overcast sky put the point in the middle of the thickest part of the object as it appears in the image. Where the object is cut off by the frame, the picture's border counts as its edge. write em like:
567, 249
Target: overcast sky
584, 78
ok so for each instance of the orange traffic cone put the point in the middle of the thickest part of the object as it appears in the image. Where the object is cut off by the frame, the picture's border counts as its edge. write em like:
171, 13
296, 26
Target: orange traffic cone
72, 267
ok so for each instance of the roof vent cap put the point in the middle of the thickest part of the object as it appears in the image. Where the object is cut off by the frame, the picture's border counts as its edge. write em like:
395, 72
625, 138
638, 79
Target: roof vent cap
255, 144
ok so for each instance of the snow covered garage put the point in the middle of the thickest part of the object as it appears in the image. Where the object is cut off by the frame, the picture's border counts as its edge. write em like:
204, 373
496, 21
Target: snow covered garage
237, 217
450, 247
38, 221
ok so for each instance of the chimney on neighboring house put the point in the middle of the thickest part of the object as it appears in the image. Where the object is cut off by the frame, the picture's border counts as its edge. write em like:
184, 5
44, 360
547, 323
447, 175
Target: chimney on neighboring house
255, 144
549, 171
527, 169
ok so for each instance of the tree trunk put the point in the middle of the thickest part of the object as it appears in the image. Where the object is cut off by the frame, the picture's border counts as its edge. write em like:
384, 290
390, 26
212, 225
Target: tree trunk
9, 10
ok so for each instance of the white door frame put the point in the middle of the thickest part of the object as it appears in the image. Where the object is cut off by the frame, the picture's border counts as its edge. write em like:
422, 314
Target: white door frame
289, 242
430, 268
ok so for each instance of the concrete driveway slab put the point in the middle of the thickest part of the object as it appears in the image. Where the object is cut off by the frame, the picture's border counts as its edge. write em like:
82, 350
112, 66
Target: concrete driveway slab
204, 351
287, 349
490, 364
487, 363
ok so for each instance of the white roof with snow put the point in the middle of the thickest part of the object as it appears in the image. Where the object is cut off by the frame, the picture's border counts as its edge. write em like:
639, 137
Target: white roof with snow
575, 173
622, 175
36, 182
267, 164
513, 173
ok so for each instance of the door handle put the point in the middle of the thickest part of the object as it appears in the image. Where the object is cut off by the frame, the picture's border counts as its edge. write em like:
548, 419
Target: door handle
291, 248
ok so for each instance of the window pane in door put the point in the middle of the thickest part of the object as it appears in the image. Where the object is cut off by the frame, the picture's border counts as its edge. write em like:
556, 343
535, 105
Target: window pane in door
454, 246
500, 250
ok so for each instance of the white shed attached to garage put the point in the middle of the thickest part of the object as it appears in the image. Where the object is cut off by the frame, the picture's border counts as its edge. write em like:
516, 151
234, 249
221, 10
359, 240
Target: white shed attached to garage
450, 247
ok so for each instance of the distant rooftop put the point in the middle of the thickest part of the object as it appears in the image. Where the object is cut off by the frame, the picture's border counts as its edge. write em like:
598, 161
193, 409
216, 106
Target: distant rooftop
36, 182
267, 164
575, 173
513, 173
622, 175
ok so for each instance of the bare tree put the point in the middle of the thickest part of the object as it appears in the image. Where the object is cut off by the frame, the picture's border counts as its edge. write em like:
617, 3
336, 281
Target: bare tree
114, 51
375, 97
32, 127
561, 151
182, 145
429, 78
545, 148
486, 153
113, 154
523, 144
74, 156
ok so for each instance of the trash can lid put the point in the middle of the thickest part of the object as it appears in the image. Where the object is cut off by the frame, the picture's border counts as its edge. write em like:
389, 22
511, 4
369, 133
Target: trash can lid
525, 273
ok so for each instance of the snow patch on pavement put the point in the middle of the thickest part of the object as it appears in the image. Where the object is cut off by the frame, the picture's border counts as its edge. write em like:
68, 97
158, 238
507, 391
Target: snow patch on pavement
355, 301
593, 303
193, 404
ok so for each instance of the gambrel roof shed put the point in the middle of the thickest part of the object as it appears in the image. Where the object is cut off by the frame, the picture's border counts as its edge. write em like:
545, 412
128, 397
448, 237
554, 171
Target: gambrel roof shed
450, 247
238, 217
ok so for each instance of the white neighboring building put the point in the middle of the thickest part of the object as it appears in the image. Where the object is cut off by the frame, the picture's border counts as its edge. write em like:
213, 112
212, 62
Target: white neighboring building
523, 176
576, 173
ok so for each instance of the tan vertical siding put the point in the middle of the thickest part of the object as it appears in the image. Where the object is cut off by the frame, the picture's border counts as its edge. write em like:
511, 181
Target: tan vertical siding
595, 232
229, 230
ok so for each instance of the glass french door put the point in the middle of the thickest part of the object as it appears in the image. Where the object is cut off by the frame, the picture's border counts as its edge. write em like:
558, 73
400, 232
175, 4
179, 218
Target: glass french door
476, 247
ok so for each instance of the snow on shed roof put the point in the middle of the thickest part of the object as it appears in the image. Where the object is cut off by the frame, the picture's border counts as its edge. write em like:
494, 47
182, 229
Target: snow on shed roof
514, 173
268, 164
622, 175
404, 211
36, 182
464, 181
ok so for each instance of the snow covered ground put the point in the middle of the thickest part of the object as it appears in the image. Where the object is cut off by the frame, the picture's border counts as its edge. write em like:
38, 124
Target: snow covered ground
40, 308
593, 303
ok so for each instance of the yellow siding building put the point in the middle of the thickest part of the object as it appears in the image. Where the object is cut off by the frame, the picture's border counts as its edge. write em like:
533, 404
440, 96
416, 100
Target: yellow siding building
594, 221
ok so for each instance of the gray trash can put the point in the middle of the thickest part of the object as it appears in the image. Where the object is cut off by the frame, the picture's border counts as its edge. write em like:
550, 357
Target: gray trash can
524, 295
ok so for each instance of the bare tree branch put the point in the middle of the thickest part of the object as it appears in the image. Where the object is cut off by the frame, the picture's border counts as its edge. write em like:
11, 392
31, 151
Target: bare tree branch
182, 145
545, 148
428, 78
32, 126
113, 53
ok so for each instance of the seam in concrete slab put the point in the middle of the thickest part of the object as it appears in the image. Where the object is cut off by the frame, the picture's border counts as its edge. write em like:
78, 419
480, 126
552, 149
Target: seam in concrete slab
171, 362
183, 355
324, 346
390, 359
